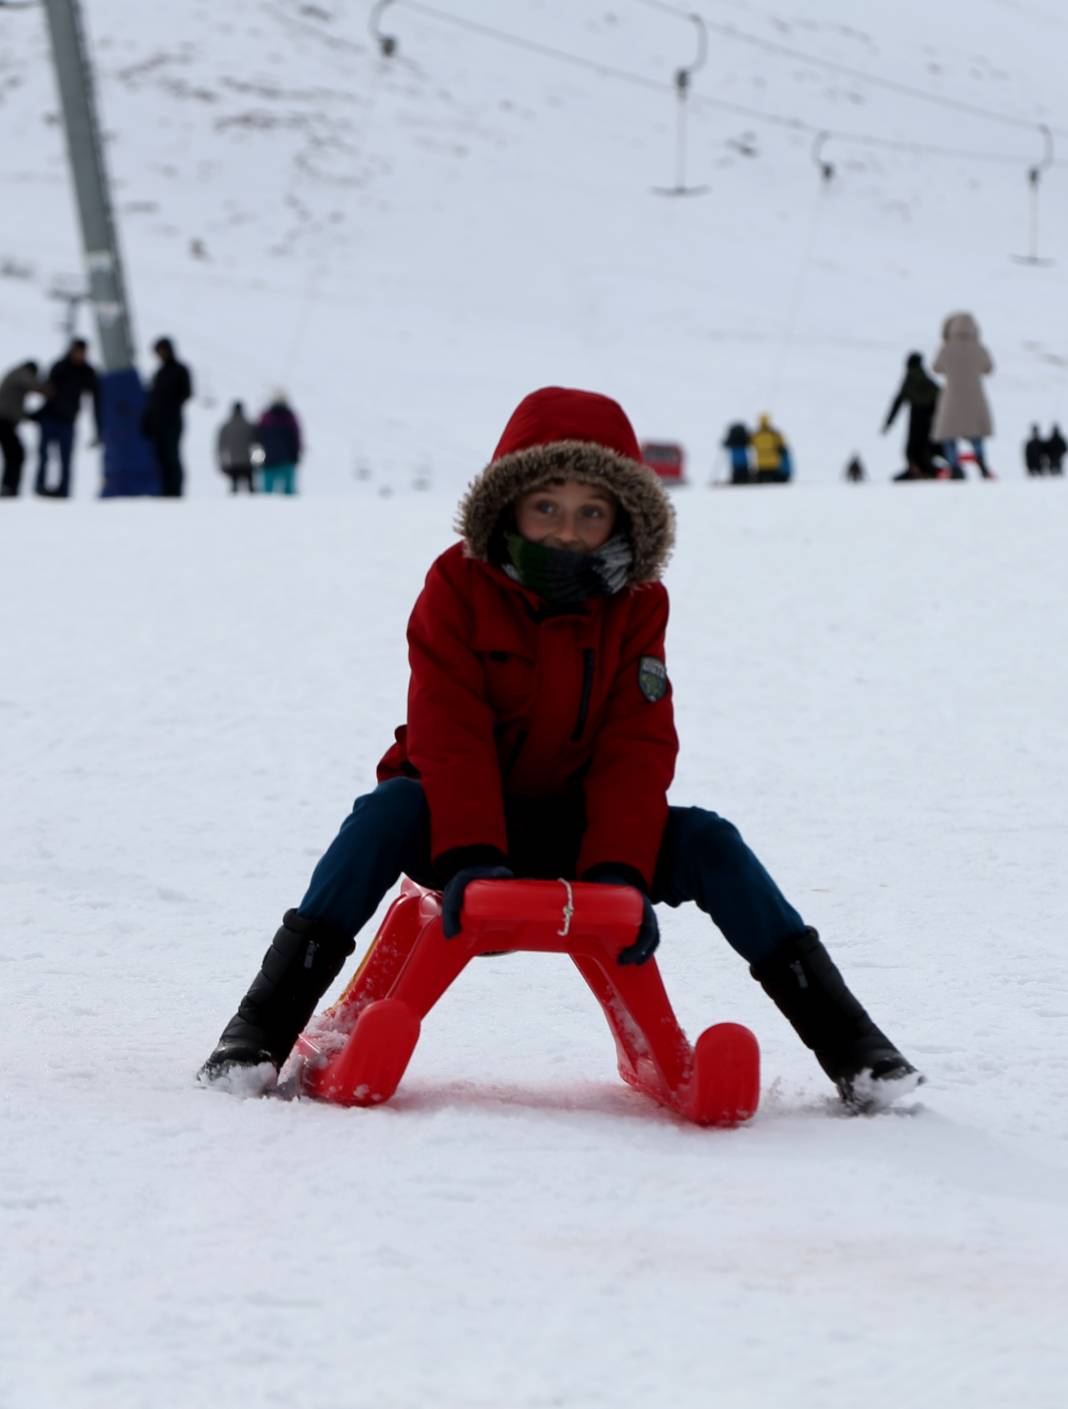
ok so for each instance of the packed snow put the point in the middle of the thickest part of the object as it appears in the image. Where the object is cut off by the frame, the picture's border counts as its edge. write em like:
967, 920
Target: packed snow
869, 680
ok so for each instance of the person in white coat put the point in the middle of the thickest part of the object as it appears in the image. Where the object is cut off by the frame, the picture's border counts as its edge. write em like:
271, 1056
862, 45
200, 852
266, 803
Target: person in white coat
963, 412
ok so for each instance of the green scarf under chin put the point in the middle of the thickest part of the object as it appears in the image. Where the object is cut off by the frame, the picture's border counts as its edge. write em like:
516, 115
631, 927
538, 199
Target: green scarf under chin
563, 578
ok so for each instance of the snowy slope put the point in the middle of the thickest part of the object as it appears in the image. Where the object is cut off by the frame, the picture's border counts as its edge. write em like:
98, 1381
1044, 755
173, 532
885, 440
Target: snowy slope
410, 245
869, 681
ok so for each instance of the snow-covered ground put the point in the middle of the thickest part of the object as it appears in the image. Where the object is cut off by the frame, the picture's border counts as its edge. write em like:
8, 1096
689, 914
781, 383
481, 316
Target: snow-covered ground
870, 681
411, 245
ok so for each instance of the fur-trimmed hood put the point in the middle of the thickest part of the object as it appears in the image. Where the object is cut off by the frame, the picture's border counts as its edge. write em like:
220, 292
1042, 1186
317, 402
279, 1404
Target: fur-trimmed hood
559, 433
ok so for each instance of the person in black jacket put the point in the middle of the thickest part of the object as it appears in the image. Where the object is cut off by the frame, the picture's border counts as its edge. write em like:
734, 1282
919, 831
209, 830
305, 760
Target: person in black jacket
171, 388
736, 443
1036, 457
1056, 449
919, 391
71, 378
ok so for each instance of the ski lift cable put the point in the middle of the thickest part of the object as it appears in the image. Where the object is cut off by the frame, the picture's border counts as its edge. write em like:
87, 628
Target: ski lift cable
903, 144
773, 46
536, 47
862, 139
819, 205
703, 100
318, 271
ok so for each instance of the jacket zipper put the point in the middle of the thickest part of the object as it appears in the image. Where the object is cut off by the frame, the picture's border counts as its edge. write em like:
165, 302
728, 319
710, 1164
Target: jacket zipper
587, 687
517, 749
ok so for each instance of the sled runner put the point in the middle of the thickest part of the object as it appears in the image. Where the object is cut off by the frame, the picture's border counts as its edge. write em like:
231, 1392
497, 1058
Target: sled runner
356, 1053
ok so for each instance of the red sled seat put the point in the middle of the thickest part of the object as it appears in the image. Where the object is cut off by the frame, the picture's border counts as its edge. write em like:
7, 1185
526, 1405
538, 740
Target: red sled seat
356, 1052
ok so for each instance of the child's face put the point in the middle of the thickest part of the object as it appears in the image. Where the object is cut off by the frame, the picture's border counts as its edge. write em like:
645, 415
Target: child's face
566, 514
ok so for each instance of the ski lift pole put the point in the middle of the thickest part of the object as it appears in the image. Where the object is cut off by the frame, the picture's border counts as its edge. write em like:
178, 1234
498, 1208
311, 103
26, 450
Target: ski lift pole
1034, 176
683, 77
129, 465
826, 168
387, 43
102, 261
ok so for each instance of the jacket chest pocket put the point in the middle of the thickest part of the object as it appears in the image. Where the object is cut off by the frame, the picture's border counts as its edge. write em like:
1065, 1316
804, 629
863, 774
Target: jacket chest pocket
510, 683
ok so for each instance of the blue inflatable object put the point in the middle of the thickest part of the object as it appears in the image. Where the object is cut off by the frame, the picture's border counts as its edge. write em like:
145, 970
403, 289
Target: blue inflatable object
129, 462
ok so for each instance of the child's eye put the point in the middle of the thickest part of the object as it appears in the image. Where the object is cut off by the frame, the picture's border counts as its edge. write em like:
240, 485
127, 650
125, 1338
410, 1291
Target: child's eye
545, 506
593, 511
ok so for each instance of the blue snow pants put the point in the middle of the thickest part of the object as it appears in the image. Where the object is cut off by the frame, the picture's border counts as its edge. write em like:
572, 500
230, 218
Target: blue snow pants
702, 858
953, 454
278, 479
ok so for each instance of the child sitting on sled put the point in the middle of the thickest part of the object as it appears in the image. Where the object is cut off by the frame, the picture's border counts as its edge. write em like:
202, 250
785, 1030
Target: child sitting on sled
540, 743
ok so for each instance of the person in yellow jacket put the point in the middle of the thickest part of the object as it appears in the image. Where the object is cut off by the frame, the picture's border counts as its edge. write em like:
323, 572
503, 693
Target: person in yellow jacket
770, 455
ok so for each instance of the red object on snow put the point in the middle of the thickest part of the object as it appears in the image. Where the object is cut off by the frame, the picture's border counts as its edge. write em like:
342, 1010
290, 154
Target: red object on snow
667, 458
356, 1053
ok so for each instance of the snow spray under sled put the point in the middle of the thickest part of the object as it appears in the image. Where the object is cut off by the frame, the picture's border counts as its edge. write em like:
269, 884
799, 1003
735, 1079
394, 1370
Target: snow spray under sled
356, 1052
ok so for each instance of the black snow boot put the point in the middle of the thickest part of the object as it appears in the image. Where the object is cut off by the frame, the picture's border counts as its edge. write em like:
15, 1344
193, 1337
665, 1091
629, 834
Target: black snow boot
803, 982
304, 959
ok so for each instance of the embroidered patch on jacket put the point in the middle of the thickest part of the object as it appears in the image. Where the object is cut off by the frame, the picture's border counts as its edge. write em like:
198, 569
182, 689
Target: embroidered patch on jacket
652, 678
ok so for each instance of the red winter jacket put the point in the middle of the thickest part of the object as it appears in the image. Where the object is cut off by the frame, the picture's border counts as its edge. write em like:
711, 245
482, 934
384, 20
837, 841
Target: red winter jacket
505, 699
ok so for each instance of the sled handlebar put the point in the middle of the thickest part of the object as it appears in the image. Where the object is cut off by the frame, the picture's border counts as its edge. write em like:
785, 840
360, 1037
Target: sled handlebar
551, 915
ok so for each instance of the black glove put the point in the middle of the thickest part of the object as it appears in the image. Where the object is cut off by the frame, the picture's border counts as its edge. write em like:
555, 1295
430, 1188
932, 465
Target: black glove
452, 901
644, 947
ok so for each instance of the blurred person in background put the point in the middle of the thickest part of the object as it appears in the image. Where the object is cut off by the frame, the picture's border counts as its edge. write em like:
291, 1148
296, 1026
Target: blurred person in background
234, 446
1056, 448
736, 444
963, 412
162, 423
771, 458
919, 392
71, 378
1036, 459
17, 384
278, 437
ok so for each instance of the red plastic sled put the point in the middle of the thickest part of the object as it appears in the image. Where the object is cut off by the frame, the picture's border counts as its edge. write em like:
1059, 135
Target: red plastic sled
356, 1053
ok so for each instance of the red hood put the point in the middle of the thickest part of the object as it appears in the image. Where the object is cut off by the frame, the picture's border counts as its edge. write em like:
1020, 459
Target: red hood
560, 433
560, 413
